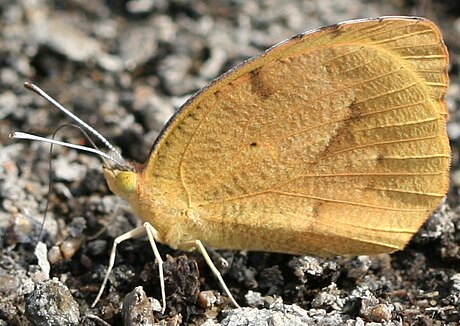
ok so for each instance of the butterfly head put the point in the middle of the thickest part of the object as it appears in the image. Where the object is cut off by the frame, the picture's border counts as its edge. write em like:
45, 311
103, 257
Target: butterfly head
122, 182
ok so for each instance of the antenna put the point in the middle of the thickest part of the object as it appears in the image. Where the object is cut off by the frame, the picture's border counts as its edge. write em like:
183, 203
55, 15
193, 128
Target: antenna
34, 88
82, 126
23, 135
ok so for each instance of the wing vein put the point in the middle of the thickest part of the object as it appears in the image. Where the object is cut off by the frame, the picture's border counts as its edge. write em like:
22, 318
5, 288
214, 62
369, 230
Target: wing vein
397, 141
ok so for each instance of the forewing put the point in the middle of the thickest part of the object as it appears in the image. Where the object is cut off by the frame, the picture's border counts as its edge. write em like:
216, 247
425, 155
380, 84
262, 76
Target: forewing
337, 135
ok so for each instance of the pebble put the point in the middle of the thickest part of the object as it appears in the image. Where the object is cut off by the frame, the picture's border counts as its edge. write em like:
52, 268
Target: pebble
358, 267
138, 308
206, 299
8, 104
70, 246
50, 304
307, 266
42, 257
254, 299
8, 284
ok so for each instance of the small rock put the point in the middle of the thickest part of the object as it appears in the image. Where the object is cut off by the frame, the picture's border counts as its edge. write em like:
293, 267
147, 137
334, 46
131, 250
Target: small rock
206, 299
140, 6
54, 255
52, 304
440, 223
57, 34
42, 257
254, 299
70, 246
8, 284
377, 313
328, 298
138, 308
358, 267
67, 171
137, 46
77, 226
8, 104
214, 64
173, 71
210, 322
281, 315
306, 266
110, 63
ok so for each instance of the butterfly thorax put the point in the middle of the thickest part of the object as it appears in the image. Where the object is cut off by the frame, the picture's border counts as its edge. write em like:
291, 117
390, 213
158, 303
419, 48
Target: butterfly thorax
175, 224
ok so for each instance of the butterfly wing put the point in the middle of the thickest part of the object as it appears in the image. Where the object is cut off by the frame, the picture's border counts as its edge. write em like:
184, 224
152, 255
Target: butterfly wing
332, 142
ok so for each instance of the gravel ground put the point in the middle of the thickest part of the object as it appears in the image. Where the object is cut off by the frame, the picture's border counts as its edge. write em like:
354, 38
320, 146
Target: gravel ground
125, 67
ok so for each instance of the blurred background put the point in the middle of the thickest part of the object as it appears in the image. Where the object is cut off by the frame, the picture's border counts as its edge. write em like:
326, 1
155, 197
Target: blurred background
125, 67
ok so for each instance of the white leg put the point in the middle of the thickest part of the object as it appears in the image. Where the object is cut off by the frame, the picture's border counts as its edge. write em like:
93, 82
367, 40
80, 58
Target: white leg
152, 234
196, 244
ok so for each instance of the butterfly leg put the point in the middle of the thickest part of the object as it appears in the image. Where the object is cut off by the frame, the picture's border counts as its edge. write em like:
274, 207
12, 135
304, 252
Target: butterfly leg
140, 231
197, 245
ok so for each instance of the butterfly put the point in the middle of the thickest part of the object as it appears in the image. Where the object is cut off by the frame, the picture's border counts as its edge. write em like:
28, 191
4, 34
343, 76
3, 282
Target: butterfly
330, 143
